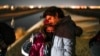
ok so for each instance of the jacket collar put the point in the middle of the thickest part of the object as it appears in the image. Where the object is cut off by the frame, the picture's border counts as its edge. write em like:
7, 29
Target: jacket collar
64, 20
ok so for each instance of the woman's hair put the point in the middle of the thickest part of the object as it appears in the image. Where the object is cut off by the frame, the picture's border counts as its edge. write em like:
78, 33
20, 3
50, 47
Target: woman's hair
48, 35
43, 29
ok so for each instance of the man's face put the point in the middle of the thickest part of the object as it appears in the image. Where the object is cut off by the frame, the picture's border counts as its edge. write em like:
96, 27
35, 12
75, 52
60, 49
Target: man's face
52, 20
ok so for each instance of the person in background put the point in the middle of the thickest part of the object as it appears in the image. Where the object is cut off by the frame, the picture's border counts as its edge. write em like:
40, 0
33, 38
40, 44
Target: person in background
19, 32
7, 37
94, 44
65, 31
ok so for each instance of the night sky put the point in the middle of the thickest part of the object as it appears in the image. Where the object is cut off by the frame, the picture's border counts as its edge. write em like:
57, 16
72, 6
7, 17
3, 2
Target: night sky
50, 2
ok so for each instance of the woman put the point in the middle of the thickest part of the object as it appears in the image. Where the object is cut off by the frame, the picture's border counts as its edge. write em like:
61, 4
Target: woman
40, 43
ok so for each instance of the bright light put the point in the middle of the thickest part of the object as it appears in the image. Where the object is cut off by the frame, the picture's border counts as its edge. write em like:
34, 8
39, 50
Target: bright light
75, 7
12, 7
94, 7
31, 6
6, 6
83, 7
78, 7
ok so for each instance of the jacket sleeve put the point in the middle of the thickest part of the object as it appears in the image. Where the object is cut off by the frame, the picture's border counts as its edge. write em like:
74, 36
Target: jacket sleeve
78, 30
67, 47
25, 48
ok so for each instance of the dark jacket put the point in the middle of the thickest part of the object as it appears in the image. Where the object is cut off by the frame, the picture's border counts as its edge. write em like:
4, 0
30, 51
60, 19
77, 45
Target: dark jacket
67, 28
95, 39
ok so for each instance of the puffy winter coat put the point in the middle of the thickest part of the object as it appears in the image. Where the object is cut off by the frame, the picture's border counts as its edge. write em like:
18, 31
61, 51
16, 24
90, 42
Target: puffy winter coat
64, 39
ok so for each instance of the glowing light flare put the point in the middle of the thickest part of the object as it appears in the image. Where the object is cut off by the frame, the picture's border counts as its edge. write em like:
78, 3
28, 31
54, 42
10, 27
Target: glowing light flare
75, 7
6, 6
31, 6
12, 7
78, 7
94, 7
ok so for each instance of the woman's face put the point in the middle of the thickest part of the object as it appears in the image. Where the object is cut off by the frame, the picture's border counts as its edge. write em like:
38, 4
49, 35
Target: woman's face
50, 29
49, 33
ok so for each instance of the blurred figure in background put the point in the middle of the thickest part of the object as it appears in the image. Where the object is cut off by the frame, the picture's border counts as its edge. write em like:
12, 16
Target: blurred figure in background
7, 37
19, 32
94, 45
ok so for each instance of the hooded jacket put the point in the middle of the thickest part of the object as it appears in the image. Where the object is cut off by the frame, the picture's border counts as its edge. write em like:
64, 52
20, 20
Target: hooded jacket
64, 39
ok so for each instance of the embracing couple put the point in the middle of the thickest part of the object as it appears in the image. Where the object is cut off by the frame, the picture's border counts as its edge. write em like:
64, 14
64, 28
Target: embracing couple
57, 38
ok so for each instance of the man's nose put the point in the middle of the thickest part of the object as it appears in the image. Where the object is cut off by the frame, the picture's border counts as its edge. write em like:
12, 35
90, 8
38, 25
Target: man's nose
46, 21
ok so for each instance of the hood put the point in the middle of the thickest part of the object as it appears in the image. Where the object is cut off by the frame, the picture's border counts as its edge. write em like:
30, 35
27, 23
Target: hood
66, 19
66, 27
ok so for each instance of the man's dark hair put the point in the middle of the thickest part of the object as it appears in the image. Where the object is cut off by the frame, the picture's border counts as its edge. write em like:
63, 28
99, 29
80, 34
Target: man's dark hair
53, 11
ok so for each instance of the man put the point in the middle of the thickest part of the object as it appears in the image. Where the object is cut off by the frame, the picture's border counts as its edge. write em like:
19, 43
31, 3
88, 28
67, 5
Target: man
65, 32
